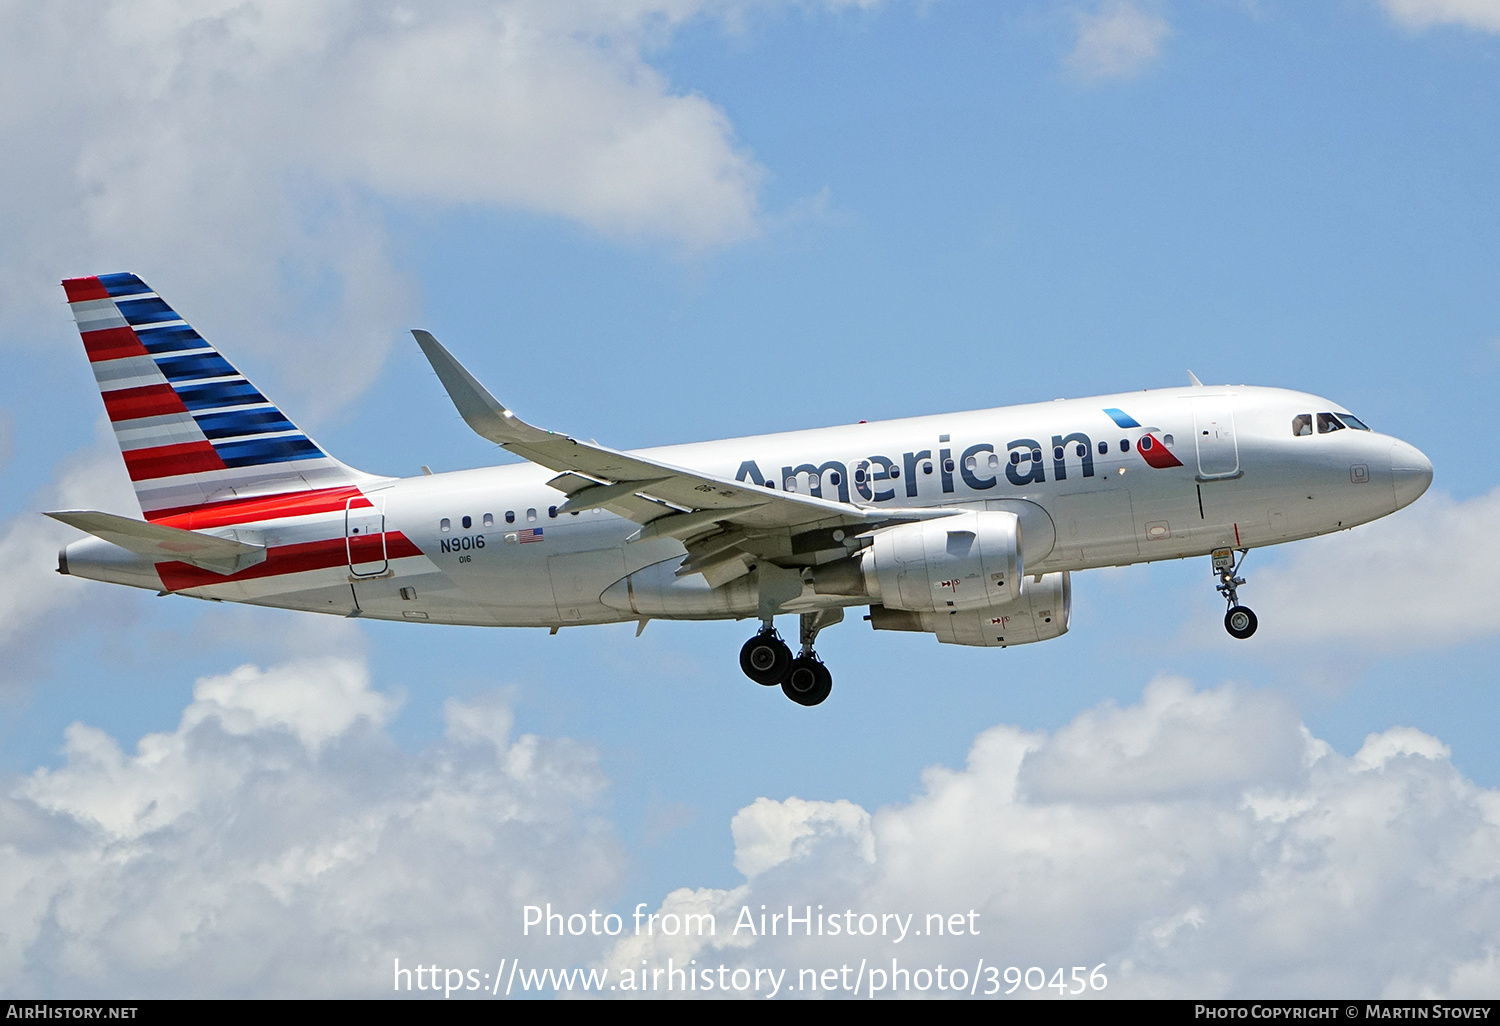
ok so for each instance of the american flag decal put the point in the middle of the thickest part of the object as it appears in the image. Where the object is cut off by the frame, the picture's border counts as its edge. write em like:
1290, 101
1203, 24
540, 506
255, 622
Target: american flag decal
531, 534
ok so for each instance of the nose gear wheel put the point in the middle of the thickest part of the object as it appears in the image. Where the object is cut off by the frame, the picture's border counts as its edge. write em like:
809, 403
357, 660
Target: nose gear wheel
1239, 621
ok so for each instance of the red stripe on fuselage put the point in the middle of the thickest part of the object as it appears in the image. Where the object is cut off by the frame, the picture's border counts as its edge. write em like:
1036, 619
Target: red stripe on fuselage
79, 289
145, 401
284, 559
112, 344
172, 460
264, 507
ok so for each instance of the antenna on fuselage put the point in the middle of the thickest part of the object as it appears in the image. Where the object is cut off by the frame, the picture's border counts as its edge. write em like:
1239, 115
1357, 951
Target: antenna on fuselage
1193, 380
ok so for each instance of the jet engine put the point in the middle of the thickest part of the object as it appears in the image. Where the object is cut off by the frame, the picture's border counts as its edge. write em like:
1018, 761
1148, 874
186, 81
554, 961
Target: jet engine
967, 561
1039, 613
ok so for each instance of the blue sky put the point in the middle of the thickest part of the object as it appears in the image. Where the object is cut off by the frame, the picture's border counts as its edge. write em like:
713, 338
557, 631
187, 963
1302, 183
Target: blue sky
671, 220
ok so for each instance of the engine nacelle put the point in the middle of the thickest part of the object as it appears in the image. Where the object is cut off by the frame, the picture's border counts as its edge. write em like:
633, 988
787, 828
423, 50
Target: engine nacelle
1041, 612
967, 561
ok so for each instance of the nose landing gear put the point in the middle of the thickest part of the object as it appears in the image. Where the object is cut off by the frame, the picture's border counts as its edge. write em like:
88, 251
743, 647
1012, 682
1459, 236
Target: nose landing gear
767, 660
1239, 621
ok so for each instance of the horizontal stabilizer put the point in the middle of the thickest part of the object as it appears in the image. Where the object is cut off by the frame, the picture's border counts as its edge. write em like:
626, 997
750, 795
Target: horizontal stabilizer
165, 544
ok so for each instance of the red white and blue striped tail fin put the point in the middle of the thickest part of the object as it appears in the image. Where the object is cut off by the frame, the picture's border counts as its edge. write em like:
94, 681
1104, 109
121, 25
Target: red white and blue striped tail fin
194, 431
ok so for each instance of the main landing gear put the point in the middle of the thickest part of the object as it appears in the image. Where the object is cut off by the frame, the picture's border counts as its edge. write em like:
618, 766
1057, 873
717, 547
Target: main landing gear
1239, 621
767, 660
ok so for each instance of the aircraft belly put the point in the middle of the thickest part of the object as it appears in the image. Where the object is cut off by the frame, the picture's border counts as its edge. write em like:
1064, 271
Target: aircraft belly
579, 578
421, 598
337, 600
656, 590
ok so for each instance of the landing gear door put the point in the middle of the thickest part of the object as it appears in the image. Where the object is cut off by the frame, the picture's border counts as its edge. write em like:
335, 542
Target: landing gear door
364, 537
1213, 430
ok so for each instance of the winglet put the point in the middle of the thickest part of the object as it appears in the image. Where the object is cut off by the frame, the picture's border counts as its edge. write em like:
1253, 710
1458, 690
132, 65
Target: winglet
480, 410
1193, 378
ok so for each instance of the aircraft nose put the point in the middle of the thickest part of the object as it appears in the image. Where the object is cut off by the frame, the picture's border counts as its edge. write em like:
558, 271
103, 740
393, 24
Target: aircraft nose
1411, 472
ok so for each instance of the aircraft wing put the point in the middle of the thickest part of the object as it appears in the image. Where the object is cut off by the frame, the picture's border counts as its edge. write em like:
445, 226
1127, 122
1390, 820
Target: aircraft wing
667, 500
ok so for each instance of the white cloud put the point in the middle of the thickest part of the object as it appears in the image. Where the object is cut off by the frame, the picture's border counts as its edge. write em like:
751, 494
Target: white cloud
1198, 843
233, 153
1420, 14
769, 833
276, 843
33, 595
1420, 578
1118, 40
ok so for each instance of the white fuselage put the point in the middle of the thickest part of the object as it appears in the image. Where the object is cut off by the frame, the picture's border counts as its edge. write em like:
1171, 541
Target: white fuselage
461, 548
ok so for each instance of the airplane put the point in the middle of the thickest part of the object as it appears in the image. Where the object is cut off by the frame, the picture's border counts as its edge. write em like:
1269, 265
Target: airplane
965, 526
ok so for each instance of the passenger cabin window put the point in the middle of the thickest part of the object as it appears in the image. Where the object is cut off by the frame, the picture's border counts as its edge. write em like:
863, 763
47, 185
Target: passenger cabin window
510, 516
552, 512
531, 514
489, 520
1328, 422
445, 524
1302, 424
468, 522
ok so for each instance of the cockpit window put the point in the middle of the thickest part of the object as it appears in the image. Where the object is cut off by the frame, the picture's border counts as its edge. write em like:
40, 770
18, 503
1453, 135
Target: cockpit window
1302, 424
1328, 422
1353, 421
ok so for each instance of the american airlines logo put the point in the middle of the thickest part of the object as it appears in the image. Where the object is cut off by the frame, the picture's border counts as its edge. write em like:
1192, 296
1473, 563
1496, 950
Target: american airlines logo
978, 466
